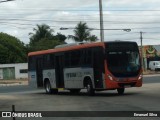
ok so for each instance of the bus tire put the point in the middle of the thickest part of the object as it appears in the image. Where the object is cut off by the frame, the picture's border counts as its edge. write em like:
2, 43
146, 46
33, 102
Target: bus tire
48, 87
120, 91
90, 90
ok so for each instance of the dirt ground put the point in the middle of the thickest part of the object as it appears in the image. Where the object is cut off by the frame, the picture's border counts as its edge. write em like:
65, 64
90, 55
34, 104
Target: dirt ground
14, 82
148, 72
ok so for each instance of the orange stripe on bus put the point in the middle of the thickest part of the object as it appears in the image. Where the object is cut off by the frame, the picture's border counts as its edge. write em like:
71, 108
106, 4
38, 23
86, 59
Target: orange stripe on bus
65, 48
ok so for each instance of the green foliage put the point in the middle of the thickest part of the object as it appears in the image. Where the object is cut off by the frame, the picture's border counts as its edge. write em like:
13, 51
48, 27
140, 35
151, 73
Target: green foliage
83, 33
93, 38
44, 44
3, 55
42, 31
12, 50
43, 39
60, 37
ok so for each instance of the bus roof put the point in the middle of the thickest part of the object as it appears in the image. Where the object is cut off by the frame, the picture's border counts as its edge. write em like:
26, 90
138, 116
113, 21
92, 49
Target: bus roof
67, 48
75, 47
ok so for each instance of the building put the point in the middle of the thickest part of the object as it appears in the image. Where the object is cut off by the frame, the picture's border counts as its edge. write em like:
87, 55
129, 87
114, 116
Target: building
13, 71
150, 53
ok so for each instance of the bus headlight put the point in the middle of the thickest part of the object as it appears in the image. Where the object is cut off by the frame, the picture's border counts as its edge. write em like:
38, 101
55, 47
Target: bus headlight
110, 77
140, 77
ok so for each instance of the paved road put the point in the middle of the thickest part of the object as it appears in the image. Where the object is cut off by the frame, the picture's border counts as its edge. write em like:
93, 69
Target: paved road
24, 98
151, 79
147, 79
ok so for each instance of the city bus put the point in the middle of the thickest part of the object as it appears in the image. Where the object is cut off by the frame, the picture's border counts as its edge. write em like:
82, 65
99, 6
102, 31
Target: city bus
113, 65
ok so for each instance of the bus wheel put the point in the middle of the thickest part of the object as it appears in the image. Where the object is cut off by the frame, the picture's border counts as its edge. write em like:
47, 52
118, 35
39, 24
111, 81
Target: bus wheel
48, 87
75, 91
120, 91
90, 90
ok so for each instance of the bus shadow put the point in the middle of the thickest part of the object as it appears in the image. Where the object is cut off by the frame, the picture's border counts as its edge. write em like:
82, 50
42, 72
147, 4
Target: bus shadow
97, 94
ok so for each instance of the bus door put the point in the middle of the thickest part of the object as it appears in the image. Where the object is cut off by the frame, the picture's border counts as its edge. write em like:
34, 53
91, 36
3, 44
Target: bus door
59, 65
39, 73
98, 65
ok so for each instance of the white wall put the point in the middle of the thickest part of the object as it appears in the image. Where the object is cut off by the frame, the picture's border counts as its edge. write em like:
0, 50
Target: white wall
17, 67
1, 74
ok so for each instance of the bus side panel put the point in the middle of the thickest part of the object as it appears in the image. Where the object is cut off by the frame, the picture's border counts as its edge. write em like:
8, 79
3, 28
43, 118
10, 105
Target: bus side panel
32, 78
74, 77
50, 75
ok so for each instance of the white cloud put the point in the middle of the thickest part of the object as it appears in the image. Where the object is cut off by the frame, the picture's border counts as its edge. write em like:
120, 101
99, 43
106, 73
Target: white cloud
28, 13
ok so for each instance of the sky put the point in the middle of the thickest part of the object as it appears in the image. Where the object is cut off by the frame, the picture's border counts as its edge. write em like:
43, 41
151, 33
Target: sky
19, 17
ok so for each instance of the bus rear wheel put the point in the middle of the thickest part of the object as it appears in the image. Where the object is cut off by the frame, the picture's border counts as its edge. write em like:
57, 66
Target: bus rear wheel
48, 87
120, 91
49, 90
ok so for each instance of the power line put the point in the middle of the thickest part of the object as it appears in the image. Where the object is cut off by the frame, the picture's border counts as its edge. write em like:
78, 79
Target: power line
122, 34
71, 20
94, 21
92, 10
16, 23
78, 14
147, 28
152, 32
27, 24
152, 39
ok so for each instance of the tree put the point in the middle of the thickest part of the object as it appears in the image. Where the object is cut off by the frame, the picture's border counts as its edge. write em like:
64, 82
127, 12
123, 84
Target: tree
82, 33
93, 38
61, 37
44, 44
43, 38
41, 32
12, 50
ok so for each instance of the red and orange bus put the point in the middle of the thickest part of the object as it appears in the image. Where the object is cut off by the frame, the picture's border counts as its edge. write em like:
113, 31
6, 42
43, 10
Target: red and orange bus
114, 65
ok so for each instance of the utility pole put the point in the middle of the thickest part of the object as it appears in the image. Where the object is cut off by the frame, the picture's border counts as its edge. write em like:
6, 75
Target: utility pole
101, 21
142, 52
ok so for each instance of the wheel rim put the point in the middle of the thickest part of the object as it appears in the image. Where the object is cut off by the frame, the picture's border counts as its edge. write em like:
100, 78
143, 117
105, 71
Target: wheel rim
47, 87
88, 88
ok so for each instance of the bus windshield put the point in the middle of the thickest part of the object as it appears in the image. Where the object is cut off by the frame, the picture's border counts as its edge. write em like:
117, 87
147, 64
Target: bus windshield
123, 61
